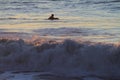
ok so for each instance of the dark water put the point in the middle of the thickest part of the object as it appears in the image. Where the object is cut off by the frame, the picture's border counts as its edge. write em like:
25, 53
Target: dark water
51, 60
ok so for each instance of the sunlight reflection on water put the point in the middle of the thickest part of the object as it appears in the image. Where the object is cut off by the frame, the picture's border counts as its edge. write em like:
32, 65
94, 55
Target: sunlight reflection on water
28, 16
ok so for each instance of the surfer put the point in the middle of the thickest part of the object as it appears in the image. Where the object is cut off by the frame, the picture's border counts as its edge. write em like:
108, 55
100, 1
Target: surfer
52, 17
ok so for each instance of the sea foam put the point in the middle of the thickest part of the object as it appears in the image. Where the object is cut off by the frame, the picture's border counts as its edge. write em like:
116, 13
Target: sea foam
68, 58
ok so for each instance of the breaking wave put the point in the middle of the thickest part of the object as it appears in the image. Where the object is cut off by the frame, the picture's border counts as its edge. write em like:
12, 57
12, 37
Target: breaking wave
68, 58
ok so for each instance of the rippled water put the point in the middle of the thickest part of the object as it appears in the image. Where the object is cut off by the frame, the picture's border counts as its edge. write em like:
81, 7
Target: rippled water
48, 56
95, 20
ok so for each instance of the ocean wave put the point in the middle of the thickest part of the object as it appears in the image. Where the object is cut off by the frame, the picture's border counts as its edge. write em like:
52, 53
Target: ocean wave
73, 32
100, 1
69, 57
8, 18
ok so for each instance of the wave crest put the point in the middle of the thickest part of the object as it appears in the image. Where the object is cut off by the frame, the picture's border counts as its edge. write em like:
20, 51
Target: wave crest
70, 58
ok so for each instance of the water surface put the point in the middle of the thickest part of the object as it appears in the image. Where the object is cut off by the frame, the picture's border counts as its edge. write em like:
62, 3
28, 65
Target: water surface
98, 19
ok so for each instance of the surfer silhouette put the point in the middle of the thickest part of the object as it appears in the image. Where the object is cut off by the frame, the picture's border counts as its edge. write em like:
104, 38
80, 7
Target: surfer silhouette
52, 17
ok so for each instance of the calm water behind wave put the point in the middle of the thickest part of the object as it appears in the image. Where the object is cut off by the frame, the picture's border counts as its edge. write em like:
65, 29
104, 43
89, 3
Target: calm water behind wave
98, 19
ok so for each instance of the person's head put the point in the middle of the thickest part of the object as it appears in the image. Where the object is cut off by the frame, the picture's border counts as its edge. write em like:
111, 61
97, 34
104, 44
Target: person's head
52, 14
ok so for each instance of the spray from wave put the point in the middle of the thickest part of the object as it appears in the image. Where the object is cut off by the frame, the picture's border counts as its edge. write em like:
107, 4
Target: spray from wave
68, 58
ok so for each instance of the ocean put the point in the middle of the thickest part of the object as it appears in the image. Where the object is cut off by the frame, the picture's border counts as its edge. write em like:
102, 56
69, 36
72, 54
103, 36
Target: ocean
84, 44
96, 20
